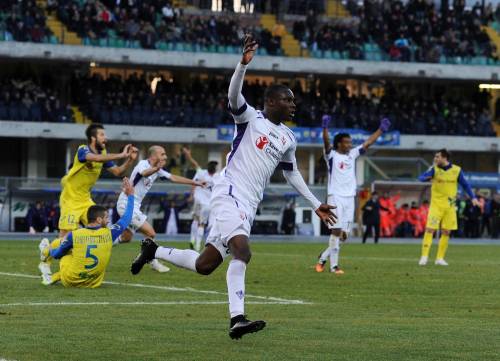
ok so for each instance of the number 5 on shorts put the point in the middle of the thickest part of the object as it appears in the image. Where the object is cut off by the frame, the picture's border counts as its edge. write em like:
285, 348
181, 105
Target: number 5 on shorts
90, 255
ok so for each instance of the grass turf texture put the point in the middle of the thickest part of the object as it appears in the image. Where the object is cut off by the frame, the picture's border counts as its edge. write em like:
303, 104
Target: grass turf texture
384, 308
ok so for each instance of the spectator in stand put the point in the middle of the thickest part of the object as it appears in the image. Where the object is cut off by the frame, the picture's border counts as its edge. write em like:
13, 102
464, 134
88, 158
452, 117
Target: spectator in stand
472, 216
52, 213
36, 219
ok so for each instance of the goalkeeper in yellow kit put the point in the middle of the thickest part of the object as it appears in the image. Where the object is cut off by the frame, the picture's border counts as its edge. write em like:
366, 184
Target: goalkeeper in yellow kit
445, 178
85, 252
82, 175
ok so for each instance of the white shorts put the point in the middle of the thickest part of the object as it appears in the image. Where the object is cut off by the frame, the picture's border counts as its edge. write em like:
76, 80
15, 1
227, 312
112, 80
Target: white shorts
138, 218
202, 212
229, 218
344, 212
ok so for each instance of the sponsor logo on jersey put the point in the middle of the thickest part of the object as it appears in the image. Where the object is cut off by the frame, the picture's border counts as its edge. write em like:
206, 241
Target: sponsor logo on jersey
261, 142
274, 135
283, 140
147, 182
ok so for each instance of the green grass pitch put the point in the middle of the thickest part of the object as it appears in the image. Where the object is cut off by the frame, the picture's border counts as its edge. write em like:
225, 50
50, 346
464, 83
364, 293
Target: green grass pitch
384, 308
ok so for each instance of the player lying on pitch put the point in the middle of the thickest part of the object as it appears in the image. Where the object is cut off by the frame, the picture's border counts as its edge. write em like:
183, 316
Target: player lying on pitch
76, 185
261, 144
85, 252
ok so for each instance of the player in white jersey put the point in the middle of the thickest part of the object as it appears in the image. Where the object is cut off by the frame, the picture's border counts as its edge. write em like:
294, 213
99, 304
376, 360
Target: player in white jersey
341, 164
261, 144
201, 195
145, 173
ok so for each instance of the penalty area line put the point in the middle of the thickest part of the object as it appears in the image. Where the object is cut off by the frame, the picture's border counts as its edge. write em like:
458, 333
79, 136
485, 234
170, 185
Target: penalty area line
268, 299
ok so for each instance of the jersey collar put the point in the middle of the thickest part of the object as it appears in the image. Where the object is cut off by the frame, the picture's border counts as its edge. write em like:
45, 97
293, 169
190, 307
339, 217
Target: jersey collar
96, 227
446, 167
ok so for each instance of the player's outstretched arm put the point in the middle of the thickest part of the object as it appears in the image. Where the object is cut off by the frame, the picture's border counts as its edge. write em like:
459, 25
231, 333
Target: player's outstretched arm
385, 124
325, 122
237, 102
156, 167
183, 180
103, 158
187, 153
119, 171
119, 227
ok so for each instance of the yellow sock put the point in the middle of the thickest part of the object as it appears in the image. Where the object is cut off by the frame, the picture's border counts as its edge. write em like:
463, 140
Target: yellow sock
443, 246
53, 245
426, 244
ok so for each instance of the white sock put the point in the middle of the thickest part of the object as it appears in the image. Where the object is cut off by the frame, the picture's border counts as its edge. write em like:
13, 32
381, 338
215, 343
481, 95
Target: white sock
200, 232
194, 231
325, 254
335, 250
185, 258
117, 241
235, 278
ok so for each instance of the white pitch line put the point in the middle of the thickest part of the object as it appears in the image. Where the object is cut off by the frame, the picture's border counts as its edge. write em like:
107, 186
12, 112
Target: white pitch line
277, 300
170, 303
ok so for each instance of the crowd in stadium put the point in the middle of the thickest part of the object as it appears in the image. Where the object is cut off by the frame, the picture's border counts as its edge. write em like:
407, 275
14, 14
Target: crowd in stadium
26, 99
203, 103
22, 21
414, 31
397, 27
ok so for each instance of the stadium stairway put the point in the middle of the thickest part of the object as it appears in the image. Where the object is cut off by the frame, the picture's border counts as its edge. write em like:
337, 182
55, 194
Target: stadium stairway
290, 45
58, 28
494, 37
335, 9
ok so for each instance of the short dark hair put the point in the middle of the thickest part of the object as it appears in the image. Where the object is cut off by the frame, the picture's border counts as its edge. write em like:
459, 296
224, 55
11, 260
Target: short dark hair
444, 153
92, 130
274, 90
94, 212
212, 165
338, 138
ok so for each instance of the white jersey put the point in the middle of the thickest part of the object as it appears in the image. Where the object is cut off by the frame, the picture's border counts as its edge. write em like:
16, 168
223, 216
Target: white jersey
259, 147
143, 184
202, 194
342, 172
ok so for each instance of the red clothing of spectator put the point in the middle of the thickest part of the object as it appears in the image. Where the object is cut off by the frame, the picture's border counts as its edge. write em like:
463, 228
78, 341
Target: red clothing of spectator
387, 224
414, 217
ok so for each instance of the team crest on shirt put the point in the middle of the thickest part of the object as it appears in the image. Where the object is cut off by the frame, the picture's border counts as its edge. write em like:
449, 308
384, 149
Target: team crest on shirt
147, 182
261, 142
89, 165
243, 216
283, 140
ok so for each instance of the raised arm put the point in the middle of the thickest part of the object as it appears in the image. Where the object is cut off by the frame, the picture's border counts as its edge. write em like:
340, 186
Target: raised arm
237, 102
187, 153
325, 122
385, 124
182, 180
119, 227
